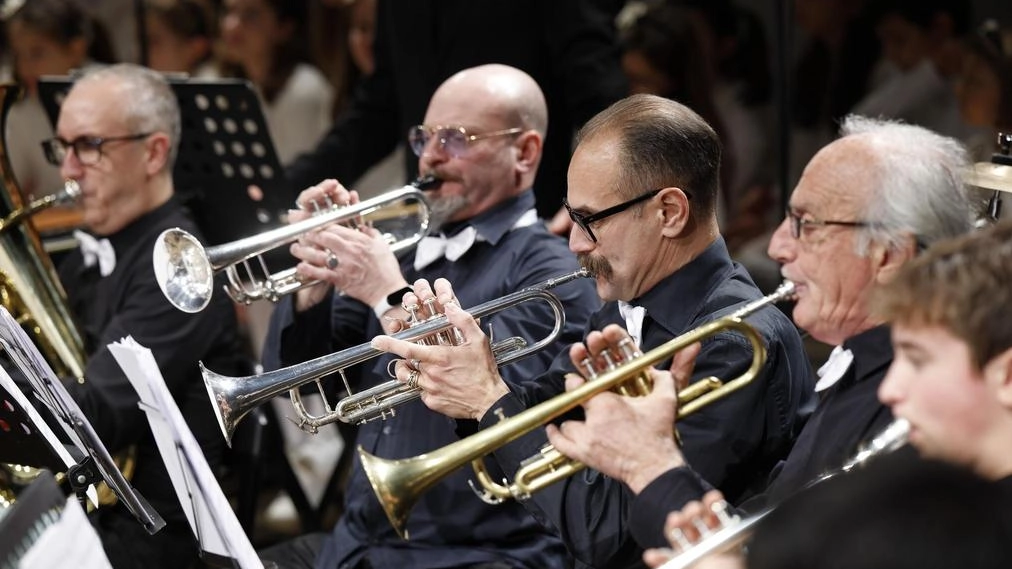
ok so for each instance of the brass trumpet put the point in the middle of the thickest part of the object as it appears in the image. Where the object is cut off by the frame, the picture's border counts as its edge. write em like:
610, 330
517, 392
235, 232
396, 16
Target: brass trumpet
399, 483
185, 270
234, 397
730, 537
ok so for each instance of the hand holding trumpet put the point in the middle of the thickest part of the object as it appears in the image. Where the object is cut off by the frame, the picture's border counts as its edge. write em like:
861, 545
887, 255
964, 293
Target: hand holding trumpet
686, 527
353, 257
460, 381
627, 438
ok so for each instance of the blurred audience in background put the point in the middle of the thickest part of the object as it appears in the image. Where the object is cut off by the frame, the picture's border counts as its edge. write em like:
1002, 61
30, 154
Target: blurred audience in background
46, 37
265, 41
181, 36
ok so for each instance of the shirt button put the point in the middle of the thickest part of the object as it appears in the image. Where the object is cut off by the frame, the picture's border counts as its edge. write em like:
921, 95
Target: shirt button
387, 430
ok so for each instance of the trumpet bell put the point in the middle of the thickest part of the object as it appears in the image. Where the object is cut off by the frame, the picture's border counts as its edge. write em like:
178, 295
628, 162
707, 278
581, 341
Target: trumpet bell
399, 484
183, 270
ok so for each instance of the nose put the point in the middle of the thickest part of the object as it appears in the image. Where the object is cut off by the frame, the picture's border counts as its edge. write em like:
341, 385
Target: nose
890, 391
783, 245
71, 167
433, 153
579, 242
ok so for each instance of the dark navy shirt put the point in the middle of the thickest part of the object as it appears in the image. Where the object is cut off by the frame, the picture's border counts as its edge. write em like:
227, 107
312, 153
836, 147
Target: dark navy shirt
735, 442
450, 526
847, 414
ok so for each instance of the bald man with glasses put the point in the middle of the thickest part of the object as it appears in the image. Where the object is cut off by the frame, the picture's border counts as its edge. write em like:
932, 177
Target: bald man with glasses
642, 190
482, 139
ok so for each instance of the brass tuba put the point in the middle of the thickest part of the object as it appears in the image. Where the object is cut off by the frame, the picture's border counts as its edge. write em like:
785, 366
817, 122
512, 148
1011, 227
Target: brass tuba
29, 287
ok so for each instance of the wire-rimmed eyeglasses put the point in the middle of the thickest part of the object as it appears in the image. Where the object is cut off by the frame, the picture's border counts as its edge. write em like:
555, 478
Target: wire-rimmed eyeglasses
88, 149
797, 223
454, 140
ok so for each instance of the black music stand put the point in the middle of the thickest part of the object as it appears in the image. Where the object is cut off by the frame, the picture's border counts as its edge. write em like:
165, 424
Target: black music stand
94, 464
224, 149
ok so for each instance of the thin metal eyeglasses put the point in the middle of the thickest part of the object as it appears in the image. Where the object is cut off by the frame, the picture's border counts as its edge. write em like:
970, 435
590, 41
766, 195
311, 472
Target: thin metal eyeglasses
798, 223
584, 221
454, 140
88, 149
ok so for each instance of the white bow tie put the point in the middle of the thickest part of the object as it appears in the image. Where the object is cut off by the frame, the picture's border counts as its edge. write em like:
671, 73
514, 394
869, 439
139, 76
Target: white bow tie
633, 320
96, 251
838, 363
434, 247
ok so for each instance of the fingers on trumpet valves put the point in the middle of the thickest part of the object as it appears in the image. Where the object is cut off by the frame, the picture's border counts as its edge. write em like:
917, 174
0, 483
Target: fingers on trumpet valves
678, 539
720, 510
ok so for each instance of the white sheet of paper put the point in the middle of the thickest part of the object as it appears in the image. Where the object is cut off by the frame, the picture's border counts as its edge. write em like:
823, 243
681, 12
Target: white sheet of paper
38, 374
71, 537
42, 428
208, 511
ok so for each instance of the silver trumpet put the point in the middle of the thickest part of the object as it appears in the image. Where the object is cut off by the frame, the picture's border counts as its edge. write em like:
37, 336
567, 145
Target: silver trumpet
185, 269
234, 397
738, 531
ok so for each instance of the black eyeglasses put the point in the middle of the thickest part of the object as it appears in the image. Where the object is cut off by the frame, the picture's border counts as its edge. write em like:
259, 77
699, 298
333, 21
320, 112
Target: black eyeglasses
454, 140
798, 222
584, 221
88, 149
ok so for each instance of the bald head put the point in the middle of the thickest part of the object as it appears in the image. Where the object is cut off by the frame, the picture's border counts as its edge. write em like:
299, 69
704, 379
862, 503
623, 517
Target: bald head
500, 90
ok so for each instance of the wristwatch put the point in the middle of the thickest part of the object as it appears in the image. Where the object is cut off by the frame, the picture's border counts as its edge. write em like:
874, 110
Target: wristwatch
393, 299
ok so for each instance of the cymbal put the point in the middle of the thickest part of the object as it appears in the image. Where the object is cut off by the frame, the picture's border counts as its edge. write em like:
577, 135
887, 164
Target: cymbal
990, 176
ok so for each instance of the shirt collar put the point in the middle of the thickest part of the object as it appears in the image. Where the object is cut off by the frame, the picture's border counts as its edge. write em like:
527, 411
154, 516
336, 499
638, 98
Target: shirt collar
493, 224
873, 351
676, 300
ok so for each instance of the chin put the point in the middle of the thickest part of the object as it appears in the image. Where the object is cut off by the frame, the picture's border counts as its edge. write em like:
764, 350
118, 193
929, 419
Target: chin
604, 290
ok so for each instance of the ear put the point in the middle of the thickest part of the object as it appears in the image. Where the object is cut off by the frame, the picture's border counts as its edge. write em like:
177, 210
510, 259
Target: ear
156, 153
528, 151
888, 262
998, 375
674, 211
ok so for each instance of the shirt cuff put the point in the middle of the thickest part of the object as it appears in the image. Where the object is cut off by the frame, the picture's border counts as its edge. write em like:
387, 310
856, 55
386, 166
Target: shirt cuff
667, 493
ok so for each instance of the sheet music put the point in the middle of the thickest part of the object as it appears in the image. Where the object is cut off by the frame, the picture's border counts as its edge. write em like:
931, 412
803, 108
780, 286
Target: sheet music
208, 511
69, 536
16, 342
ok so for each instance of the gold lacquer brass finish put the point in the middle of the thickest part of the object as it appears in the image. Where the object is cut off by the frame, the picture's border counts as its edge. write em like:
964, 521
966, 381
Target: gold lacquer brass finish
399, 483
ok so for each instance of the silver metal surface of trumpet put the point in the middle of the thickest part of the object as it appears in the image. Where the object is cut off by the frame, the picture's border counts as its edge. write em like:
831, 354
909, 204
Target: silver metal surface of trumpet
185, 269
399, 483
733, 536
234, 397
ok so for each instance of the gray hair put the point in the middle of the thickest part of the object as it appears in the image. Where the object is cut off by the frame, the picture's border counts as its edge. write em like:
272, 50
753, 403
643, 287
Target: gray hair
918, 188
149, 104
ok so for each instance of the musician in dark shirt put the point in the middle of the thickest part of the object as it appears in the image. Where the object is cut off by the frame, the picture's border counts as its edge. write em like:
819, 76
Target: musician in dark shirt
117, 136
482, 138
865, 206
642, 188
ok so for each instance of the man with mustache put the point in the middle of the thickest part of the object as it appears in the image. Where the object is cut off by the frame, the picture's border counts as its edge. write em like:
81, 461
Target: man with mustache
864, 207
642, 190
482, 137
